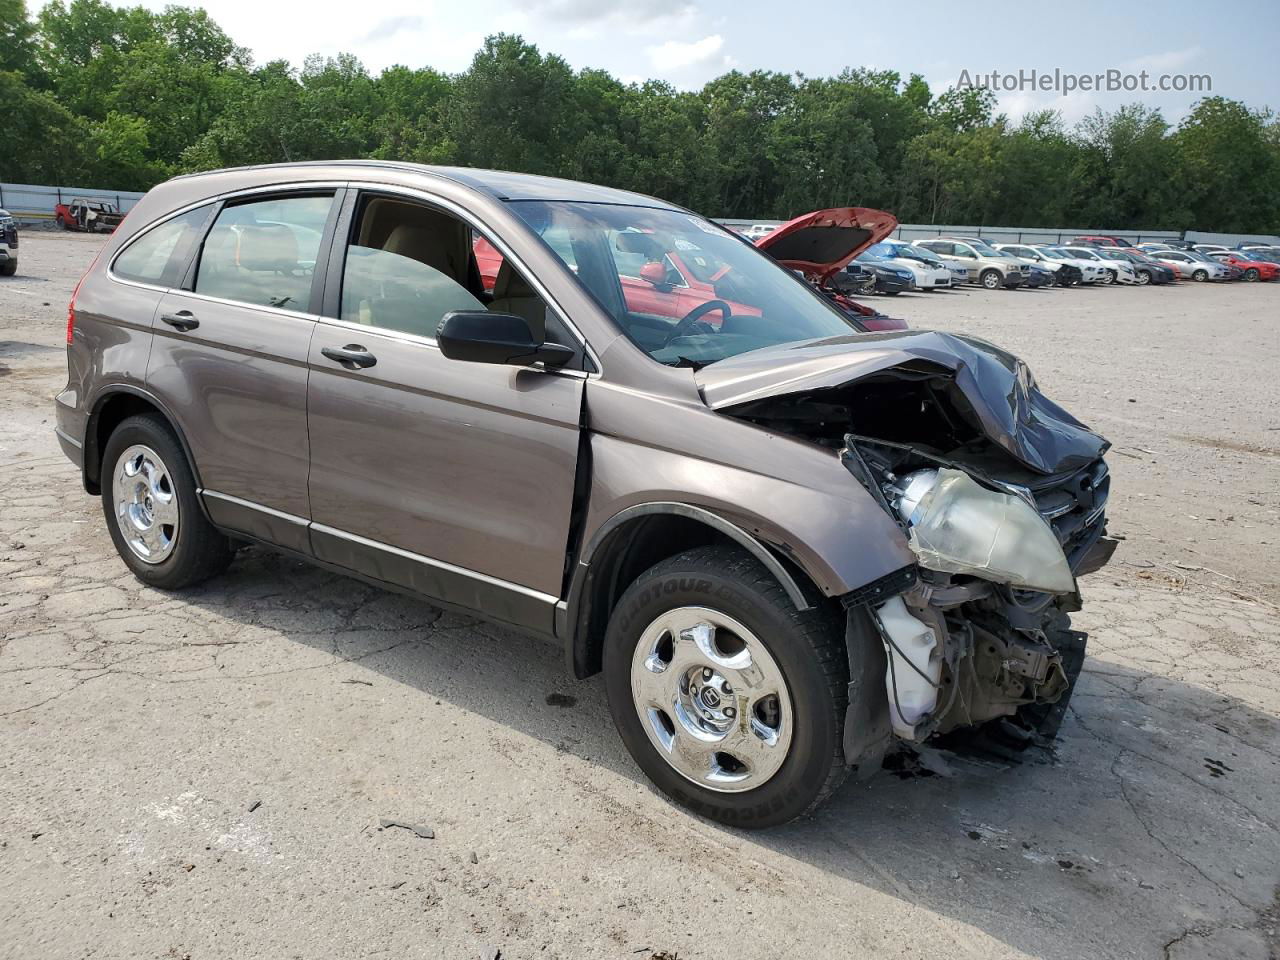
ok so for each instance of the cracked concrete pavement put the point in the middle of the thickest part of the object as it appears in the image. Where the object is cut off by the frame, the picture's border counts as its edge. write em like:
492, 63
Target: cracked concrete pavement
139, 728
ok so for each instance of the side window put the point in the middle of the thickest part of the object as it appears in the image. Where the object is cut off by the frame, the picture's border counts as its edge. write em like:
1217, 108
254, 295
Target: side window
264, 252
147, 259
407, 265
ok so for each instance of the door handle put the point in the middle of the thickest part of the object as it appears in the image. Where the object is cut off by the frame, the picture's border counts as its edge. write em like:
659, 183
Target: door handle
182, 320
352, 356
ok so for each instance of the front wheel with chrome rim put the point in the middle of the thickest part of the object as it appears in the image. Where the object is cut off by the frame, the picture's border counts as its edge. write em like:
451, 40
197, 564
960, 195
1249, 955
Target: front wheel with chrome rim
727, 696
149, 501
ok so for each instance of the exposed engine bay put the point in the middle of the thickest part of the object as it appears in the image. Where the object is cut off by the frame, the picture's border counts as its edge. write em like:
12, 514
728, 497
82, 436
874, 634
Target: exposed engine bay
1002, 497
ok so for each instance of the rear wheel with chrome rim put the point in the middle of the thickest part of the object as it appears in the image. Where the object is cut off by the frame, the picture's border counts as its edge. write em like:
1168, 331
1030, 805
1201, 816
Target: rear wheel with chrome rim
727, 696
150, 503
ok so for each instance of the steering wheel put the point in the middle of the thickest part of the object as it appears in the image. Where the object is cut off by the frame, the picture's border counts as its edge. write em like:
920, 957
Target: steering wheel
693, 316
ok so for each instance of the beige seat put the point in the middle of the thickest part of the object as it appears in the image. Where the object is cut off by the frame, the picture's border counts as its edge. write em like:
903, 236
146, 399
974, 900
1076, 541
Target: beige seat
443, 245
511, 294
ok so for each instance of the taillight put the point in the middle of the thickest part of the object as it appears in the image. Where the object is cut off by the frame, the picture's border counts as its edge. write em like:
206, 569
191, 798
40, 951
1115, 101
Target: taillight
71, 307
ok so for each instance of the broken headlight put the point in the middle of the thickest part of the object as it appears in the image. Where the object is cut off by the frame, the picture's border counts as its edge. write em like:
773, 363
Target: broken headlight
958, 526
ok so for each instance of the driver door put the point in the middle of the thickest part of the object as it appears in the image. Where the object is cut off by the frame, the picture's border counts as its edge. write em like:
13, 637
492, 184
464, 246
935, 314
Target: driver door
450, 478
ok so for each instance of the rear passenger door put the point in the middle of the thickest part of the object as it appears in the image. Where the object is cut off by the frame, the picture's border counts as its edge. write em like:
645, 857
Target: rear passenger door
230, 359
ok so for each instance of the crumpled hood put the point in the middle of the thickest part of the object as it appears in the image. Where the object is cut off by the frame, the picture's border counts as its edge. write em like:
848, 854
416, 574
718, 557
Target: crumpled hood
1013, 412
821, 243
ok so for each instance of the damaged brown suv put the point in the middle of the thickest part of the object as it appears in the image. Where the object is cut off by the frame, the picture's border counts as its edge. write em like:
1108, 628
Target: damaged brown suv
785, 541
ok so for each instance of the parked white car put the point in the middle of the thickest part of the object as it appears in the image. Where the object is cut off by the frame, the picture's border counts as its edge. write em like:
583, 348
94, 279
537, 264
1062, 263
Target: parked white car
1153, 247
1040, 259
1191, 267
1093, 270
1120, 272
758, 230
929, 272
1211, 248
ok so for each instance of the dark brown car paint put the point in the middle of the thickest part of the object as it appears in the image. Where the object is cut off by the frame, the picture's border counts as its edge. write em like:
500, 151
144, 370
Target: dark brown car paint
448, 479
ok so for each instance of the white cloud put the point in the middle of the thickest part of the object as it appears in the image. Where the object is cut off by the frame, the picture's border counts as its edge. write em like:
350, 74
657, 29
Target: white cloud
1162, 62
678, 54
393, 26
595, 11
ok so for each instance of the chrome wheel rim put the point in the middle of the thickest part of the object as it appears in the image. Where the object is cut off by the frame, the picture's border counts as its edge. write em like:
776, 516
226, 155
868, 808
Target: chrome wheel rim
711, 699
146, 504
991, 281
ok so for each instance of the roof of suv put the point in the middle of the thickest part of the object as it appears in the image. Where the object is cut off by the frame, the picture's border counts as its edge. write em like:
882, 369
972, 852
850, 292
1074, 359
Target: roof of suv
500, 184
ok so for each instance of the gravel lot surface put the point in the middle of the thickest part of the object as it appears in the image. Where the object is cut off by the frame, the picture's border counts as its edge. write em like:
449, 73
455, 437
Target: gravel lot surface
204, 774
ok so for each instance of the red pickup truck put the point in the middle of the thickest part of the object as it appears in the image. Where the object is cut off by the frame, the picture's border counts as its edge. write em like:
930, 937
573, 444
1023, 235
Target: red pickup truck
91, 216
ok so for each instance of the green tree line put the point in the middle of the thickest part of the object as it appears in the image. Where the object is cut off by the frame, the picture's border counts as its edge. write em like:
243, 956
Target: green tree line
124, 97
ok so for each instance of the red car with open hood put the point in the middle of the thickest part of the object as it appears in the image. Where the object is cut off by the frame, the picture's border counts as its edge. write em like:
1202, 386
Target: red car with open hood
821, 244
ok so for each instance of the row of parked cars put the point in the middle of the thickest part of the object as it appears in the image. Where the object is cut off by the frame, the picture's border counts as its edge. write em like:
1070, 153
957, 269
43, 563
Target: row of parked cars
888, 266
893, 266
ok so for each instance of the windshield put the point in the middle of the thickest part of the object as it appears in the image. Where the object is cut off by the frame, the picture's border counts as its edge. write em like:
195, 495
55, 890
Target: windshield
1083, 254
900, 251
1111, 253
685, 291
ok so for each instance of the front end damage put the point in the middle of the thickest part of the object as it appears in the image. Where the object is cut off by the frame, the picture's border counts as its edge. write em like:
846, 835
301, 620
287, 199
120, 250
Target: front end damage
1001, 496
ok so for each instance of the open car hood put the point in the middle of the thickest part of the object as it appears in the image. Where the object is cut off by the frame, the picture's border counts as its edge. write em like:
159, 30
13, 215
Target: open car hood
824, 241
999, 388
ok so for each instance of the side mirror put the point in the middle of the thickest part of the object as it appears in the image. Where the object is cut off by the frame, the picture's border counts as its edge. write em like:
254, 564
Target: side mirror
655, 273
483, 337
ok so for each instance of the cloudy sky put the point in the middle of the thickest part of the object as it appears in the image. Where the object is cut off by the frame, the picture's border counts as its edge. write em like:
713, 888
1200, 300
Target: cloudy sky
689, 41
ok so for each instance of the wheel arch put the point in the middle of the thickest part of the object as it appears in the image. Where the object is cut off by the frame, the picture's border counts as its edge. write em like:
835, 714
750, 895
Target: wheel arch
631, 542
111, 408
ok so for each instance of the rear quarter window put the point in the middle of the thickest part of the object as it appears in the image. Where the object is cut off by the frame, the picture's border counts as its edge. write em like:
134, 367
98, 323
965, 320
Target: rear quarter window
155, 256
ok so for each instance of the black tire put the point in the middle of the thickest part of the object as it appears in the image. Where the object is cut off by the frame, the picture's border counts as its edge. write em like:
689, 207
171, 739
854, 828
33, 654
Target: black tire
808, 647
990, 279
8, 268
199, 551
1144, 277
1200, 276
1251, 274
62, 222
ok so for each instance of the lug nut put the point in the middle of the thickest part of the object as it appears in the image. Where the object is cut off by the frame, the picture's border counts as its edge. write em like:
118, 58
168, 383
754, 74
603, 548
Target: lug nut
706, 673
730, 712
728, 690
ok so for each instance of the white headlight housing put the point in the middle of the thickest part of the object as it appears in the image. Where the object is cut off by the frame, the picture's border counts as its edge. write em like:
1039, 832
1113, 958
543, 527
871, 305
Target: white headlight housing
958, 526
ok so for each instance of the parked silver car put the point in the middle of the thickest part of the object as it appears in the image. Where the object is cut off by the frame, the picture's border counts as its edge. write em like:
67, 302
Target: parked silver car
986, 265
1192, 265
